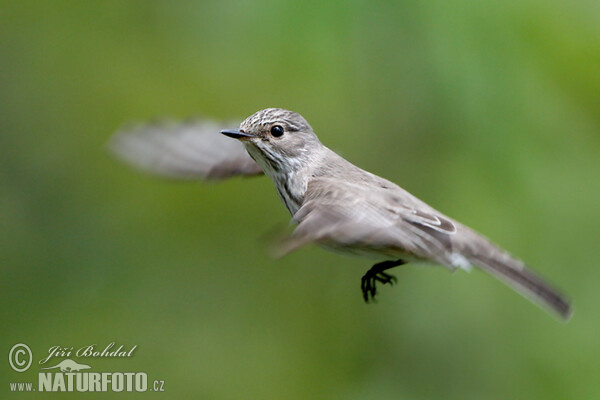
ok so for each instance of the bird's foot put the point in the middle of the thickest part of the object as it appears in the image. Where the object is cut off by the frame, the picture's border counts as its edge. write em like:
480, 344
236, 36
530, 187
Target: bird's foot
368, 283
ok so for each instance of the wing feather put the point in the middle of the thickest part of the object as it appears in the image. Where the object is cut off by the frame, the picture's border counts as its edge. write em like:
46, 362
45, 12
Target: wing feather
183, 150
346, 218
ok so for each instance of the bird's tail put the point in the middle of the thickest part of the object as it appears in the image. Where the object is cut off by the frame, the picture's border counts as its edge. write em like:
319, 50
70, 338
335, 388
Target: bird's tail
515, 274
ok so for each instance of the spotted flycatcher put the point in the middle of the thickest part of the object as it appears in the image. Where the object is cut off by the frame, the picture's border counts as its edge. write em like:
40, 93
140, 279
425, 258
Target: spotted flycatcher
333, 202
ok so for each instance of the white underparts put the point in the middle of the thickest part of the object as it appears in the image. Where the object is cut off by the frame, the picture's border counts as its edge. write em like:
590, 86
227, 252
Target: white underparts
459, 261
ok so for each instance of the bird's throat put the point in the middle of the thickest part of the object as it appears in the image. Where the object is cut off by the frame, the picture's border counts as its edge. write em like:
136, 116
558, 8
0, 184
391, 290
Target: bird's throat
287, 176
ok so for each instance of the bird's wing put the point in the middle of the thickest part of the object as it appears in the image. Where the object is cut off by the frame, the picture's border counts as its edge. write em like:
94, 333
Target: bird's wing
183, 150
370, 220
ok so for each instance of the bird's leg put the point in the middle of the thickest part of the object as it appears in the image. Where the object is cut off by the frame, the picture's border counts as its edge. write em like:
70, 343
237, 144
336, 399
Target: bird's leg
369, 281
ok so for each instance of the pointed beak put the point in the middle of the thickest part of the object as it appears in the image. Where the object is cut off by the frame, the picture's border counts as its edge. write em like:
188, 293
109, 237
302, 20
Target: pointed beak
237, 134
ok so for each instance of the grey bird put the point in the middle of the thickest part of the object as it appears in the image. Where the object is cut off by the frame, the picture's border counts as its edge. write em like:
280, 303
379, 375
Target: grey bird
334, 203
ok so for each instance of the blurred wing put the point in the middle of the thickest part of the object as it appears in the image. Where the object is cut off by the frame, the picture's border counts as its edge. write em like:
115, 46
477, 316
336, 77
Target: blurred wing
339, 216
325, 224
361, 230
189, 150
366, 219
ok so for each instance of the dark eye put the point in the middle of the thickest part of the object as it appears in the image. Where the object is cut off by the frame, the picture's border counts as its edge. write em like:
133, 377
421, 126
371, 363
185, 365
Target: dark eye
277, 130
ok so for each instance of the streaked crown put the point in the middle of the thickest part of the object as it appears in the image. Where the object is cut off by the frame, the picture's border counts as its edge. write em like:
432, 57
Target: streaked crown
263, 120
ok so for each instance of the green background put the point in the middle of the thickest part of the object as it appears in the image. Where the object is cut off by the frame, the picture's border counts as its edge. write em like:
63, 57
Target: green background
489, 111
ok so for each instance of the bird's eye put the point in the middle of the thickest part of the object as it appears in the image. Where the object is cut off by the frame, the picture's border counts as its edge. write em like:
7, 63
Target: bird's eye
277, 130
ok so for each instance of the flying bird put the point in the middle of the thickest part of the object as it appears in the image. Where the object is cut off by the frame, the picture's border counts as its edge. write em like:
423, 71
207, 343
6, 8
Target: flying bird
334, 203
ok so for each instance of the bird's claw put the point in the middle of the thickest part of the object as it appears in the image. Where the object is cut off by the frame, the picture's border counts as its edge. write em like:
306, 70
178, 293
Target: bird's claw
369, 284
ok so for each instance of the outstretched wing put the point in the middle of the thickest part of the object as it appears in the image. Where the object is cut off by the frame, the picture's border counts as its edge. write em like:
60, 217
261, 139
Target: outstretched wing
183, 150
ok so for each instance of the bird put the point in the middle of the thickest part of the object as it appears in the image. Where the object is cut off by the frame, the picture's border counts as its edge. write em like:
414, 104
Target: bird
332, 202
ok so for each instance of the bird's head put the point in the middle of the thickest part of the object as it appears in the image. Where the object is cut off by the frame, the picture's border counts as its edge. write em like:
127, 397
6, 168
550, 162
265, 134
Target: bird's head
277, 139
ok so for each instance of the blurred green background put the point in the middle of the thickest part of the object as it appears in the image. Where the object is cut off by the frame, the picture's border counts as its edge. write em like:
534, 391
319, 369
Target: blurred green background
489, 111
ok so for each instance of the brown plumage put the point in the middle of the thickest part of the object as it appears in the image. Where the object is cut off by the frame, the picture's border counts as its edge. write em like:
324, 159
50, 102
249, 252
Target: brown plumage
335, 203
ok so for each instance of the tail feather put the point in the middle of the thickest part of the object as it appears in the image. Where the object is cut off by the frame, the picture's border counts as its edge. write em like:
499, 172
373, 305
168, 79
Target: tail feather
523, 280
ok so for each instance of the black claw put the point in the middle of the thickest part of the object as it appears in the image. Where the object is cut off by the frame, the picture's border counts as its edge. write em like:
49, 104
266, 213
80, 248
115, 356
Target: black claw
368, 283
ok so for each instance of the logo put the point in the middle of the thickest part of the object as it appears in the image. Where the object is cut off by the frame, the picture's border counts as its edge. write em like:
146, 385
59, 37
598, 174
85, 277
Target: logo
69, 366
75, 374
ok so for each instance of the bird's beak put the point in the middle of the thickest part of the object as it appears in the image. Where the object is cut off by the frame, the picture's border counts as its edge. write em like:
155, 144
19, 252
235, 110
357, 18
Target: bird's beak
237, 134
